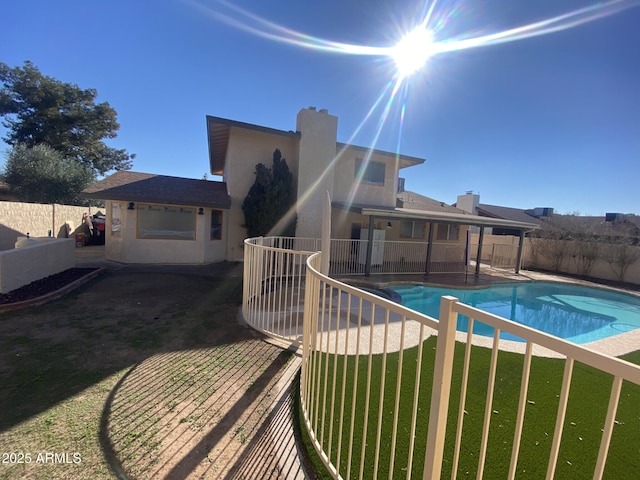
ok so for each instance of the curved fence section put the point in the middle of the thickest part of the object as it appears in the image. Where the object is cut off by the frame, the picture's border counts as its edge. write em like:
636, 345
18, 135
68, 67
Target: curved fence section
363, 360
273, 283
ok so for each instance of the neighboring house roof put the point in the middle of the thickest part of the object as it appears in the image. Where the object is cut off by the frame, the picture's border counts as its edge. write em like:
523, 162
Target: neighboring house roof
419, 207
146, 187
416, 201
218, 130
507, 213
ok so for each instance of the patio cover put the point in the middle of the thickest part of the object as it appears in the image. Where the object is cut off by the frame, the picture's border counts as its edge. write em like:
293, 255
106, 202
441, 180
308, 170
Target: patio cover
396, 213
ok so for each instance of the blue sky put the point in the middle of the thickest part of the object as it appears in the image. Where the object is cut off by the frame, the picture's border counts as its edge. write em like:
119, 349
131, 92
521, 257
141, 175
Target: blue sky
547, 121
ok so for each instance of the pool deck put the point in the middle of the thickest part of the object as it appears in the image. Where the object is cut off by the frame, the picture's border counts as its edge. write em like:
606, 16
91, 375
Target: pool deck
615, 346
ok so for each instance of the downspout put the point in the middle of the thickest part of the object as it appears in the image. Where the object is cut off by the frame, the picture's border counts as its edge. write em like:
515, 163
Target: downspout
520, 248
53, 220
427, 265
479, 257
367, 266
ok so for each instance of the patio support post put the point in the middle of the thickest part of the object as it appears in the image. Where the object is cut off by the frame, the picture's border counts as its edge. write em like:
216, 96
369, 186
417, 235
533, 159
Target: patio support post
479, 256
427, 265
520, 248
367, 266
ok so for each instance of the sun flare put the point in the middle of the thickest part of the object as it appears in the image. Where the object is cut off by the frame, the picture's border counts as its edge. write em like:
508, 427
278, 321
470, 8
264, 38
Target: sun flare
412, 52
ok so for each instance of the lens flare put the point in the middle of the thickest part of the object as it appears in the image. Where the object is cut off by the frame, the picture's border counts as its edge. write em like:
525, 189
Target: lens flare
413, 49
412, 52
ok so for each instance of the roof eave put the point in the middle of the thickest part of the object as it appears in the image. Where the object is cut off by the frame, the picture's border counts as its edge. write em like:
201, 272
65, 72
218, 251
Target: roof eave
217, 159
157, 200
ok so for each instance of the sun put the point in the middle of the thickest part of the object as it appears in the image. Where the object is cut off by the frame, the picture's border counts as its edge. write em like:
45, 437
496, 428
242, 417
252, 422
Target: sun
412, 52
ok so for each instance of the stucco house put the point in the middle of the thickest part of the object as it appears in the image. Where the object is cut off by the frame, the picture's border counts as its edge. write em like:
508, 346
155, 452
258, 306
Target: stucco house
162, 219
204, 219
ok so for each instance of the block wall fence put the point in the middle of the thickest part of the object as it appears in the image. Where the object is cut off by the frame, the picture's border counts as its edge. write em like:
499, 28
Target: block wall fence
19, 218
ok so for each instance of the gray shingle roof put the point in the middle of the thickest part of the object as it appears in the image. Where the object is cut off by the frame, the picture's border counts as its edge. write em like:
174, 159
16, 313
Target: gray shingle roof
147, 187
506, 213
415, 201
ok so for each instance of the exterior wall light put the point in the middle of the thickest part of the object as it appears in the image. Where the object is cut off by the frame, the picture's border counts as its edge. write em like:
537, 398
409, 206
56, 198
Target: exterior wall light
200, 211
131, 206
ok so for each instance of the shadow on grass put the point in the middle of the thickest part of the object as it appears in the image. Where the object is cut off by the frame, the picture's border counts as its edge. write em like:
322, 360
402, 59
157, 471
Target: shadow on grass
52, 352
179, 412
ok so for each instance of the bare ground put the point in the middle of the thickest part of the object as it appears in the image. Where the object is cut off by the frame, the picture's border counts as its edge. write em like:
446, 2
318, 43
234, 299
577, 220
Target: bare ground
144, 374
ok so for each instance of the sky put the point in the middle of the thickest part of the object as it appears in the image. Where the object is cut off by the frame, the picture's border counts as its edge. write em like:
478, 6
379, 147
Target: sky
551, 120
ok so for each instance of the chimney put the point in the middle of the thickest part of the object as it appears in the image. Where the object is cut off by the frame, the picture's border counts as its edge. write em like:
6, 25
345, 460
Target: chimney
469, 202
318, 138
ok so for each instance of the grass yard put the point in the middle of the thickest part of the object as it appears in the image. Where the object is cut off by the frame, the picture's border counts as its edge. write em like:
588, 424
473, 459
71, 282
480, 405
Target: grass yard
579, 448
147, 374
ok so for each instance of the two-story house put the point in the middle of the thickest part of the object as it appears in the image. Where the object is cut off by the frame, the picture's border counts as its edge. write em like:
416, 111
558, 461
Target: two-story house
161, 219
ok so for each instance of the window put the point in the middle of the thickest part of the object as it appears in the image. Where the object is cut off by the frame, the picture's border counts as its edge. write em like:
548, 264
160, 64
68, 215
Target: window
172, 223
216, 225
410, 229
115, 219
448, 232
369, 172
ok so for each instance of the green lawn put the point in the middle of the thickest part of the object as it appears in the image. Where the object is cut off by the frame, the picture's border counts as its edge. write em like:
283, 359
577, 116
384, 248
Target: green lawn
579, 448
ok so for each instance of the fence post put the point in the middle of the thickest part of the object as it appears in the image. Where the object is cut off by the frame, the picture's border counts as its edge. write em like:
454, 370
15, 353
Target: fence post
520, 249
441, 389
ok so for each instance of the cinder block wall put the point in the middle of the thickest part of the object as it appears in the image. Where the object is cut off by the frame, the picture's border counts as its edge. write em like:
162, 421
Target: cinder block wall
18, 218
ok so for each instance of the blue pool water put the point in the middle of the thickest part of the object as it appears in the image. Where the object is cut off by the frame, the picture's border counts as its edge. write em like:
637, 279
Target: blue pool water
578, 314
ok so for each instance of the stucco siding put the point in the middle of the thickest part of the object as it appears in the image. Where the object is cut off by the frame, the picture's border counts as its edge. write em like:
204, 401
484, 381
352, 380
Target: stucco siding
125, 246
245, 150
348, 189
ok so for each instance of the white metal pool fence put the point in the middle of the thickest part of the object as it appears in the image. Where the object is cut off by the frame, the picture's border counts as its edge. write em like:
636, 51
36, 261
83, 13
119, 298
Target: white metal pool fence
352, 338
349, 257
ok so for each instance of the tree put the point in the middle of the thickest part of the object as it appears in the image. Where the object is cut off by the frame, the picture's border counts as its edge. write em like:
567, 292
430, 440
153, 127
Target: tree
268, 205
40, 174
40, 110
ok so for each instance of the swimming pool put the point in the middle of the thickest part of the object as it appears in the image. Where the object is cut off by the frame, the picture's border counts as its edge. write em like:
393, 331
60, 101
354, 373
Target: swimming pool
575, 313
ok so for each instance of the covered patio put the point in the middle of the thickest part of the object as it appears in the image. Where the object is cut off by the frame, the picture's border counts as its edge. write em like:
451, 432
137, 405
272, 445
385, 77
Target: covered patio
432, 218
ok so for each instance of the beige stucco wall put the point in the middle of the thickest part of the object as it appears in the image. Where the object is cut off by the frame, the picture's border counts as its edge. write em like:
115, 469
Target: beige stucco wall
21, 266
246, 149
347, 190
318, 137
124, 246
490, 240
19, 218
316, 166
601, 269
